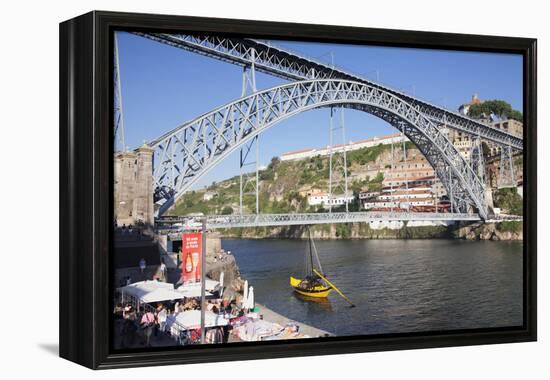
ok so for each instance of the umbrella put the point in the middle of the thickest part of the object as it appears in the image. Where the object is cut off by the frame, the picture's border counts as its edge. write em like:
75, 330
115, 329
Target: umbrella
221, 283
250, 300
245, 293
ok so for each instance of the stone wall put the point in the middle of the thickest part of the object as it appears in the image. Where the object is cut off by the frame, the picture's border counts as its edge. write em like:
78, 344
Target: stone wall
133, 177
124, 178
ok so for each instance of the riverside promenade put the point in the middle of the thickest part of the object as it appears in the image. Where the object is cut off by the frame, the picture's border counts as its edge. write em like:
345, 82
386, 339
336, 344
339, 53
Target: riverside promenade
271, 316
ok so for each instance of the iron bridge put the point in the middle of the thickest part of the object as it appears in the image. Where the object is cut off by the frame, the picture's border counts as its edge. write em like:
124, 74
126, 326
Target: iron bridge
186, 153
265, 220
283, 63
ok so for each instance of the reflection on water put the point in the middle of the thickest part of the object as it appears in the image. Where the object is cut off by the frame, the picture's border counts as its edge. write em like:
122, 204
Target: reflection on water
397, 285
321, 303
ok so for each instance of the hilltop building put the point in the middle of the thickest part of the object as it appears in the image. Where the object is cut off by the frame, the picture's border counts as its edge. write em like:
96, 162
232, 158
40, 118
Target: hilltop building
321, 198
208, 195
410, 184
368, 143
413, 173
464, 143
464, 108
511, 126
401, 198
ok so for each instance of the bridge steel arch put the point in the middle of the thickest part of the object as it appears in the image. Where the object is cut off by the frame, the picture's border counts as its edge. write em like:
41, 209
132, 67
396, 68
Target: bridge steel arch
289, 65
185, 154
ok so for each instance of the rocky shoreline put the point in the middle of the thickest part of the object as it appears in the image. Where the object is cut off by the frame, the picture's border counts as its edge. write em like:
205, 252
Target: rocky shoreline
504, 231
219, 261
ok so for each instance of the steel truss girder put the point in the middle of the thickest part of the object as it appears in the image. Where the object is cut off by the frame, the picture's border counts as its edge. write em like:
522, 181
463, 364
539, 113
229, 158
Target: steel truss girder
292, 66
477, 159
186, 153
506, 177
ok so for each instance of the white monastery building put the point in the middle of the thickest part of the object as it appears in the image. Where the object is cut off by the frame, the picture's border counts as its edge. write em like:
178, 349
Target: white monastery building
368, 143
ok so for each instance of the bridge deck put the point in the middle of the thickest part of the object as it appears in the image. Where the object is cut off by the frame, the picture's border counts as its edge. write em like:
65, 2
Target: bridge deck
264, 220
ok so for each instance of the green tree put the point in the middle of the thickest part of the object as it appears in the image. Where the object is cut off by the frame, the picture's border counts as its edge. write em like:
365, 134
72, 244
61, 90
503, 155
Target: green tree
274, 162
378, 179
357, 185
509, 200
516, 115
500, 108
318, 161
227, 210
343, 230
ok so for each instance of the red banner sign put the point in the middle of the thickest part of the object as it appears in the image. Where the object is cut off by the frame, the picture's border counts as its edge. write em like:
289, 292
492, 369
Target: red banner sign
191, 252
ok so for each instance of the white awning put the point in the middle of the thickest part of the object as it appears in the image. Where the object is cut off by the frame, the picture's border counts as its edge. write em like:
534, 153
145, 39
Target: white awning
211, 285
191, 291
152, 291
157, 291
192, 319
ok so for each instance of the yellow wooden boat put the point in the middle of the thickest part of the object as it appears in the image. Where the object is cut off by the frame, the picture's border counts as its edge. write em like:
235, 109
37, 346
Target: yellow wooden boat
315, 284
312, 285
309, 289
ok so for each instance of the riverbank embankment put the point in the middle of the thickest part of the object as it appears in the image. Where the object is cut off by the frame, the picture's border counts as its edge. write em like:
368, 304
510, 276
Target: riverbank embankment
512, 230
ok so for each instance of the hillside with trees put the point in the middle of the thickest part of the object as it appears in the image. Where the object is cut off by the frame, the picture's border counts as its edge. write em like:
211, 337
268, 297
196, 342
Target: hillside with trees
284, 184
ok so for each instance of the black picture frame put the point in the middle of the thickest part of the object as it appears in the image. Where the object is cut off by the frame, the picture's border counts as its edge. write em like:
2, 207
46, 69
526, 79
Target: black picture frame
86, 135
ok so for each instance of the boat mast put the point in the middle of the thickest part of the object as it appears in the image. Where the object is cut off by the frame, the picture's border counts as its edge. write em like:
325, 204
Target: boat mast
310, 272
312, 245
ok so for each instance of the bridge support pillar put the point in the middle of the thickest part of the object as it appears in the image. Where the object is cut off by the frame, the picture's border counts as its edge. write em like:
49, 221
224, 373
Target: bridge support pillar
124, 167
133, 175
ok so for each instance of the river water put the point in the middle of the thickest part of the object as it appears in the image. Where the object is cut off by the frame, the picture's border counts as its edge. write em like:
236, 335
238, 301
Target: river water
397, 285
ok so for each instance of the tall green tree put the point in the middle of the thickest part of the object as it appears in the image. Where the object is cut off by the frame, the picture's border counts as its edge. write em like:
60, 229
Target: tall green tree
516, 115
500, 108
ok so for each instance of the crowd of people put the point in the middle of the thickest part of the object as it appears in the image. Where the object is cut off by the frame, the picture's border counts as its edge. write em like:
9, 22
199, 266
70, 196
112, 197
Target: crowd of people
137, 327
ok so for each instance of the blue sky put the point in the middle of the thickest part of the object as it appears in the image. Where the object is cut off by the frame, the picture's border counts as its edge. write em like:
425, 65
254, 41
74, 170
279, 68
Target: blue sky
163, 86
